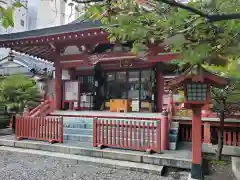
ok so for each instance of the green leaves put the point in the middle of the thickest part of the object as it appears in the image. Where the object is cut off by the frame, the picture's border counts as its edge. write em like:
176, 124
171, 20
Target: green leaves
183, 31
6, 17
18, 91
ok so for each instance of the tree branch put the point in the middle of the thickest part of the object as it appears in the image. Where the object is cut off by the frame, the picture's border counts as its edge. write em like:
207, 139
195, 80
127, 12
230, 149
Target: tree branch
173, 3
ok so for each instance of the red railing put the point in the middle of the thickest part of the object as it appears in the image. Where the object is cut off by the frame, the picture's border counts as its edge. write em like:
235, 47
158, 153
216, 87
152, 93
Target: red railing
43, 109
185, 133
39, 128
231, 136
128, 134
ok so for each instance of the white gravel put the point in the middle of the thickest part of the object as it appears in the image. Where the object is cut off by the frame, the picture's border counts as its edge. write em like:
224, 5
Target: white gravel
20, 166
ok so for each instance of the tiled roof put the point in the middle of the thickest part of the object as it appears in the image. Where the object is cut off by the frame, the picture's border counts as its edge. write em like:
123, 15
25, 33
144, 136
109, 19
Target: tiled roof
73, 27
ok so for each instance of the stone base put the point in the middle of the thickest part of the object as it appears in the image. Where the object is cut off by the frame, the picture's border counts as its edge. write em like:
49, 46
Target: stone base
196, 172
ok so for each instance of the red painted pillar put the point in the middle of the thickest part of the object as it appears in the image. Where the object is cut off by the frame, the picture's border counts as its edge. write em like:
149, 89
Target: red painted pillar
58, 87
196, 171
207, 133
164, 131
160, 91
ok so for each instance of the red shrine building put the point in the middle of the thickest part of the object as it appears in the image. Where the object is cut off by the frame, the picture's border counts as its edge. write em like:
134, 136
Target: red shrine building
97, 70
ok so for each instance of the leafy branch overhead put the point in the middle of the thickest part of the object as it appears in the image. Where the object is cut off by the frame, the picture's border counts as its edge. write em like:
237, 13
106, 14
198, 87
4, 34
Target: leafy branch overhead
6, 13
203, 31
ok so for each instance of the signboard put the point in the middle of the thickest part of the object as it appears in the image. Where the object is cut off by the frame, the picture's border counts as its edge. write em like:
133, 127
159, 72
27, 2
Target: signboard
71, 91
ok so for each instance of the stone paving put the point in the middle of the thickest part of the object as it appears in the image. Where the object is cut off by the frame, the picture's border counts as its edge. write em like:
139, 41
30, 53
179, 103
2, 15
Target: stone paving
20, 166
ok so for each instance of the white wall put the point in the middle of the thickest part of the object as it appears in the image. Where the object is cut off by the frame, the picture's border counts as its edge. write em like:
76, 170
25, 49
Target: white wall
50, 13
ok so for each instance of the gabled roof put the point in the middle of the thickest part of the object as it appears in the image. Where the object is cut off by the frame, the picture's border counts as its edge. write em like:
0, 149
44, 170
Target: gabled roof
29, 63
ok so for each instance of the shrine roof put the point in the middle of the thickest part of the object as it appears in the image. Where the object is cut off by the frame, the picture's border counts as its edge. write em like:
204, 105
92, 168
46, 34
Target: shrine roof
42, 43
72, 27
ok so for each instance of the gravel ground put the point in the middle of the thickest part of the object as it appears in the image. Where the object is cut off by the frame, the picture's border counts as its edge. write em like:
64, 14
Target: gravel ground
20, 166
220, 172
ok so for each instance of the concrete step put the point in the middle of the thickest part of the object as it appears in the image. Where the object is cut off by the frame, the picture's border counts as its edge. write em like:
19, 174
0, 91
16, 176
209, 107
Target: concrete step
78, 125
167, 158
77, 159
77, 131
78, 137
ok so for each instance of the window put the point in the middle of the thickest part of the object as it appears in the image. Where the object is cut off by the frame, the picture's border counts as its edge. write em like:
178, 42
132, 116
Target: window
22, 22
86, 84
146, 87
133, 85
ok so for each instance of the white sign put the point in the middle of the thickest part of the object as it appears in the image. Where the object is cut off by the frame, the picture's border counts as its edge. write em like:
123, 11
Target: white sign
71, 91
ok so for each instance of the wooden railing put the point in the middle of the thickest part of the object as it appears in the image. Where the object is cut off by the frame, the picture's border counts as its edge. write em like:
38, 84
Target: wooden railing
43, 109
128, 134
210, 127
38, 128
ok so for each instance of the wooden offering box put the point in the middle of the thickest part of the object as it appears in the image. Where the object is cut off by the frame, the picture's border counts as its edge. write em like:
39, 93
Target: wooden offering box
120, 105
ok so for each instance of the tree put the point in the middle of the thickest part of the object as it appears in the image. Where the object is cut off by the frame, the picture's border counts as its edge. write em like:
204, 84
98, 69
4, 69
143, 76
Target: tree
18, 91
202, 31
6, 13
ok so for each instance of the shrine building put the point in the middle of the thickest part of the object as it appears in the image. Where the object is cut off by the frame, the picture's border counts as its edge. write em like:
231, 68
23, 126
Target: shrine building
93, 74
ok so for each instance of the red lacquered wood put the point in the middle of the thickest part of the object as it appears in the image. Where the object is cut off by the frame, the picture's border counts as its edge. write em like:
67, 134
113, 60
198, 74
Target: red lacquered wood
61, 129
38, 124
102, 124
115, 133
135, 134
95, 129
122, 124
234, 143
107, 132
229, 138
57, 128
30, 128
148, 134
144, 140
139, 134
158, 144
98, 131
118, 135
126, 134
111, 128
153, 139
130, 129
238, 139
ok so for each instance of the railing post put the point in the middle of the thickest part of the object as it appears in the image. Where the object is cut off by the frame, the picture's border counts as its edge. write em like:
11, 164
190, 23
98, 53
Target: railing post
61, 130
95, 132
159, 139
164, 131
207, 133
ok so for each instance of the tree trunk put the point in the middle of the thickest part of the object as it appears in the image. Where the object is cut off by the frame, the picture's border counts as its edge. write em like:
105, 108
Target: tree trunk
220, 136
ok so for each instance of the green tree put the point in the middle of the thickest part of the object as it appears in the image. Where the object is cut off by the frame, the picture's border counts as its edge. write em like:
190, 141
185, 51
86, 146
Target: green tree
6, 13
19, 91
202, 31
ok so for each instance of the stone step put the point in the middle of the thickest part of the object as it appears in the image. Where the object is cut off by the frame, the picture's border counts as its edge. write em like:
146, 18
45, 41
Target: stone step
167, 158
78, 125
79, 131
78, 137
78, 159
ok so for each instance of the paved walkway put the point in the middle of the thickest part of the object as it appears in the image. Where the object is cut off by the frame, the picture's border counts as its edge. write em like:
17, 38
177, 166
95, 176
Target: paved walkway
21, 166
